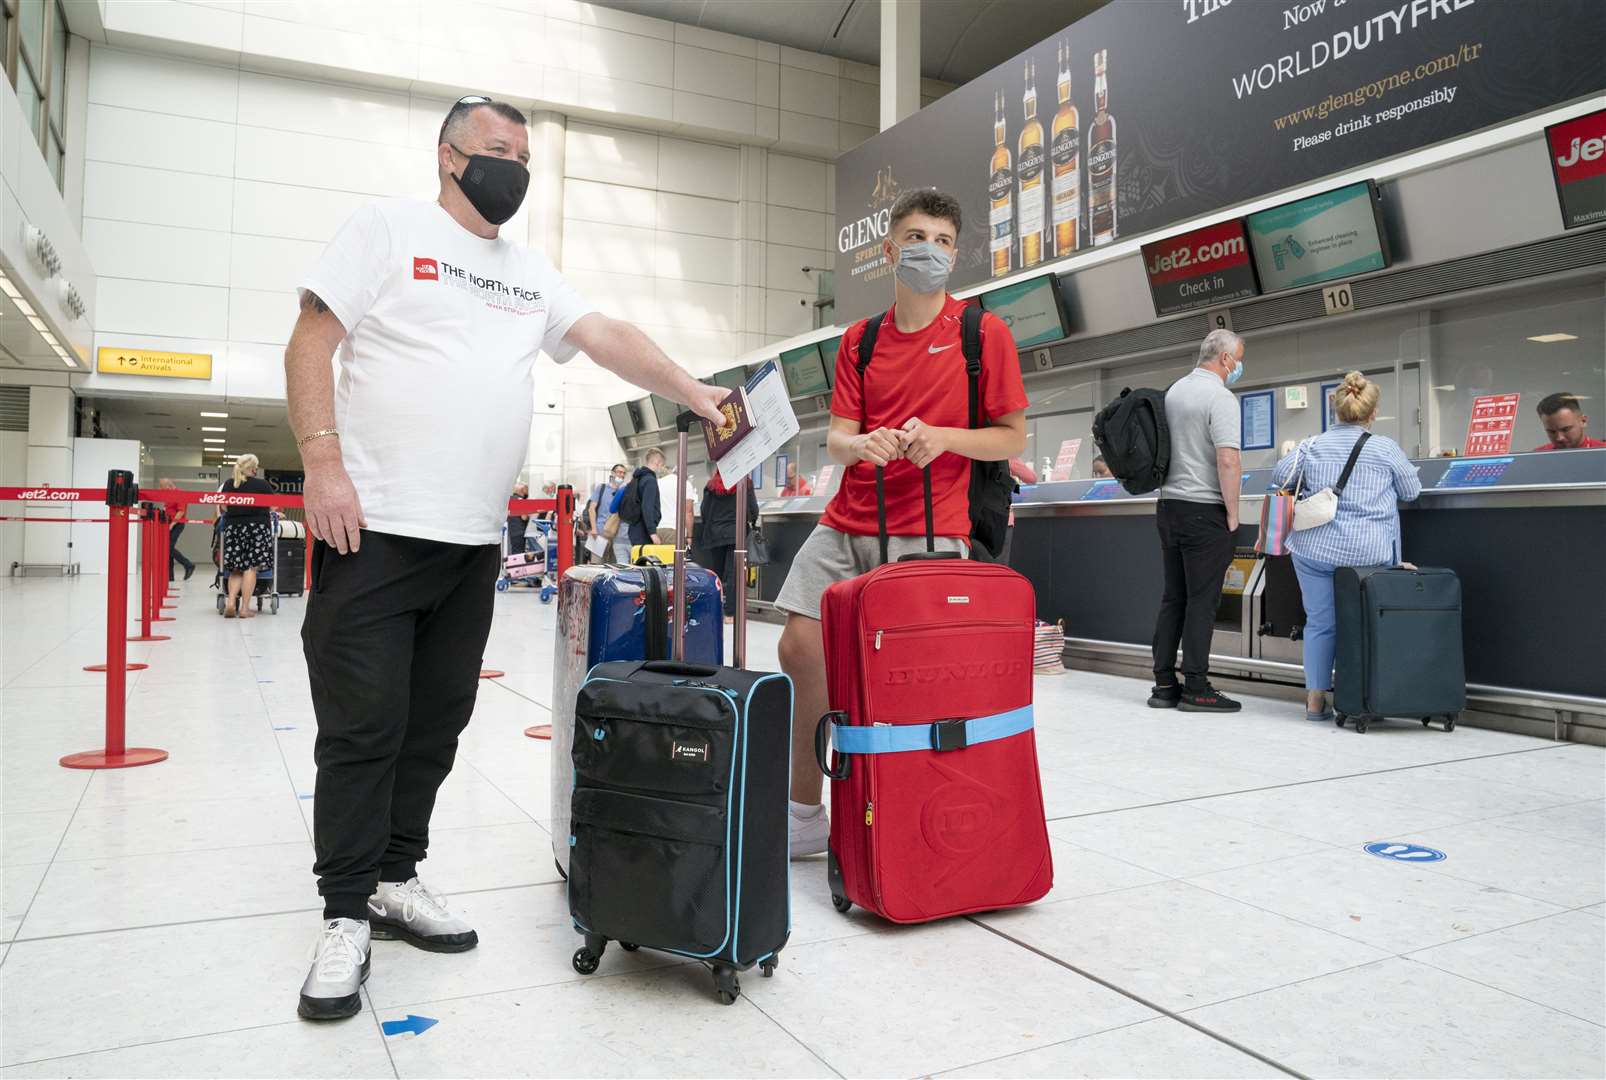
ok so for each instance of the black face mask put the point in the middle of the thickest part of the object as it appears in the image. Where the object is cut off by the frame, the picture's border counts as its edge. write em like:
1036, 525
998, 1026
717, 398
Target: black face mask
494, 186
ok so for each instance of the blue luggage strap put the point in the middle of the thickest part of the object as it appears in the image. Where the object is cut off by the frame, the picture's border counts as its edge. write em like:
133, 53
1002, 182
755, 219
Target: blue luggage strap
942, 735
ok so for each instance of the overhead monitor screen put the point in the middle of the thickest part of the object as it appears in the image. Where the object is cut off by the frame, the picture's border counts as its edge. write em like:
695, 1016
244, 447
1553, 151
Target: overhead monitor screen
638, 415
1030, 309
1327, 236
1199, 269
623, 424
730, 378
665, 410
804, 371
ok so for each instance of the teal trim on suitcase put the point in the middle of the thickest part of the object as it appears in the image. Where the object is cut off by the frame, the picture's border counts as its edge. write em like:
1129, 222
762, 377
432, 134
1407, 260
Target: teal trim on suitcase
736, 919
901, 738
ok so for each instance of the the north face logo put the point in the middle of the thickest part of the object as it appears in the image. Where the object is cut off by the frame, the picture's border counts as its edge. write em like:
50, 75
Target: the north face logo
425, 270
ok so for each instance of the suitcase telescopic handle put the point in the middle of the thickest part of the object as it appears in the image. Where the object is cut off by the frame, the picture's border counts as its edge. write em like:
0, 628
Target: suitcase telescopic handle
683, 424
881, 515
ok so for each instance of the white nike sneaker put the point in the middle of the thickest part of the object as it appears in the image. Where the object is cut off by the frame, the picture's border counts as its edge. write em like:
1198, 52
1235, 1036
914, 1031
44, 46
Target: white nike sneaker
339, 968
810, 831
411, 912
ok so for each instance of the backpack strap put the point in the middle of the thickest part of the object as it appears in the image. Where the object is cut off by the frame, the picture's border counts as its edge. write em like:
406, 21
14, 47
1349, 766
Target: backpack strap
1349, 466
970, 337
872, 329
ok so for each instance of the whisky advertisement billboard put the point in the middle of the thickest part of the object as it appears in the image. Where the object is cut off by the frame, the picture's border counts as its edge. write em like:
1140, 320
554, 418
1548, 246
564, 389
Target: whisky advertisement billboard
1149, 113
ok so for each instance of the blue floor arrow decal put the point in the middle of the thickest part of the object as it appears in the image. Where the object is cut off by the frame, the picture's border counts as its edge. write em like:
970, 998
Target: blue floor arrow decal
416, 1024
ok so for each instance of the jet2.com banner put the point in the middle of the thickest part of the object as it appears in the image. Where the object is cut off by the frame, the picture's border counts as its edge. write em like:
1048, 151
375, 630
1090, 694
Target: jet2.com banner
1151, 112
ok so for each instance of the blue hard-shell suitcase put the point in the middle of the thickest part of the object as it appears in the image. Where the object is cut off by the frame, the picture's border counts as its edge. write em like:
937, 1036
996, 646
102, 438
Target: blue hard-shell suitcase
603, 614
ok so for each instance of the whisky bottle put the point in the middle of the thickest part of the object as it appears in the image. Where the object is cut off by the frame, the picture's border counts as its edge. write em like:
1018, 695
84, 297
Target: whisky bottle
1101, 159
1065, 154
1029, 173
1001, 191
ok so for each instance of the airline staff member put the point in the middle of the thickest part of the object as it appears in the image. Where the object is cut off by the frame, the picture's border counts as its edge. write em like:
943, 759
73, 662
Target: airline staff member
1566, 426
438, 320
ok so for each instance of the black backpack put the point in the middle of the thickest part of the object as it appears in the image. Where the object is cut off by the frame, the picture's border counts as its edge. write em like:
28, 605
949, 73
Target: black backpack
1131, 434
630, 502
990, 483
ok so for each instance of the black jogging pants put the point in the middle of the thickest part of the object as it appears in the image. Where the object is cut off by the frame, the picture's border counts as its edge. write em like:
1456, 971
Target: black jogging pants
394, 636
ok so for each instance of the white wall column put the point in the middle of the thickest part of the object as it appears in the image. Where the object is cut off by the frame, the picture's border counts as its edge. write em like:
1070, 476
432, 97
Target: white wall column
900, 60
50, 446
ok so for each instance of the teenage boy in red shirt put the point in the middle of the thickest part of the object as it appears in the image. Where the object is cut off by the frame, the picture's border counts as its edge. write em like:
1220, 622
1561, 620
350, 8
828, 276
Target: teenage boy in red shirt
910, 412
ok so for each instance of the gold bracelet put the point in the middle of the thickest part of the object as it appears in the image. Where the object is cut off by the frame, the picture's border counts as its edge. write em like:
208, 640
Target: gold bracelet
315, 435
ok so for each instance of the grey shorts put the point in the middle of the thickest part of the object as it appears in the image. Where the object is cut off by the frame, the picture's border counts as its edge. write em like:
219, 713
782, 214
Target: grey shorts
828, 557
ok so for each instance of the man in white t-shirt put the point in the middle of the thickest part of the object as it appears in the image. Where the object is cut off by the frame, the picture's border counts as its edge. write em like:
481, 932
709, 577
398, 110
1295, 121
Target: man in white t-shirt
437, 320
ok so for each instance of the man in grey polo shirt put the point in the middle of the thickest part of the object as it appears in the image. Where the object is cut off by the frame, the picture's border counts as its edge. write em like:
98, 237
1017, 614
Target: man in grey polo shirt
1197, 524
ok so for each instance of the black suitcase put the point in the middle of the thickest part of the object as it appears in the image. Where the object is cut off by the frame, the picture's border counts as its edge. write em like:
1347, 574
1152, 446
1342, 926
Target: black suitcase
1399, 645
678, 829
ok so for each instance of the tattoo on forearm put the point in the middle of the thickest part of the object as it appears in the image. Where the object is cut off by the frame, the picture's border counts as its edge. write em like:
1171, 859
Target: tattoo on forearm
311, 301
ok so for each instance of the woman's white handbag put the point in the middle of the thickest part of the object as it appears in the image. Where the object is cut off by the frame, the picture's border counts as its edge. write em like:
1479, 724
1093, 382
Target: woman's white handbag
1320, 507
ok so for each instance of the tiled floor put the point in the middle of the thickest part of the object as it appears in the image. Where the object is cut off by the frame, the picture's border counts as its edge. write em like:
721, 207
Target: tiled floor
1215, 912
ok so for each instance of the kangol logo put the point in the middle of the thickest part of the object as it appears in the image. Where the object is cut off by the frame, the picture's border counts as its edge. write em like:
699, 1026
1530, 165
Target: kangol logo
950, 673
425, 270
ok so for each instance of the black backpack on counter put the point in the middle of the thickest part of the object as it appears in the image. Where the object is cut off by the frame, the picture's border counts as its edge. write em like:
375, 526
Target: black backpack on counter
1131, 434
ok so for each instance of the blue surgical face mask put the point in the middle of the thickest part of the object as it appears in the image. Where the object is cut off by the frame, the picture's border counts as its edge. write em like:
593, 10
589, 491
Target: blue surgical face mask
923, 267
1236, 373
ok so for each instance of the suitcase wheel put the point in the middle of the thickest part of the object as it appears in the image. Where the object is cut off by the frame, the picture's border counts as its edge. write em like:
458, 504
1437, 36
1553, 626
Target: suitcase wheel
841, 903
501, 584
628, 947
1362, 725
1426, 720
1449, 722
768, 967
726, 985
546, 594
1339, 718
586, 962
275, 605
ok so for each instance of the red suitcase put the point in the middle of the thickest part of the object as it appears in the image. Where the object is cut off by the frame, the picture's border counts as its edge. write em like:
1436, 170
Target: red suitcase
936, 803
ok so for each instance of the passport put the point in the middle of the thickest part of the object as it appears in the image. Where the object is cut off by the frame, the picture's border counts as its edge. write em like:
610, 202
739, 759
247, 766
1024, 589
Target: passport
738, 423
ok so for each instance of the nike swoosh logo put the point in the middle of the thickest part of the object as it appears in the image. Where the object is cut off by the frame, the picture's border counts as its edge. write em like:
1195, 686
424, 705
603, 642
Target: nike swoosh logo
377, 909
939, 348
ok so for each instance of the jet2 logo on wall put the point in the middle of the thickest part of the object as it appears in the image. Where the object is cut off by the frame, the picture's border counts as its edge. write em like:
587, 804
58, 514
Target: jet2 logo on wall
425, 270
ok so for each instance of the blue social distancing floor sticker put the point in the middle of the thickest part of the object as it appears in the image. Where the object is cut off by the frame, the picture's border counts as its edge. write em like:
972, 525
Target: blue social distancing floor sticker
415, 1024
1405, 852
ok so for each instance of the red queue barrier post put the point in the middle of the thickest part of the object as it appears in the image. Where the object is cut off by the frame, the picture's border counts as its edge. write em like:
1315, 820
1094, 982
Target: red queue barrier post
121, 493
565, 526
145, 600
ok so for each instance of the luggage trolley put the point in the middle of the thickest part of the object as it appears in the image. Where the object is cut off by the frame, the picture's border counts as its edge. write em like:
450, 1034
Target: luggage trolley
533, 569
267, 580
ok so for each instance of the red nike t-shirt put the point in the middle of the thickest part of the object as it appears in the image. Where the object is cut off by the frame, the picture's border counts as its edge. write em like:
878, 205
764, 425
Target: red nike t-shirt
919, 375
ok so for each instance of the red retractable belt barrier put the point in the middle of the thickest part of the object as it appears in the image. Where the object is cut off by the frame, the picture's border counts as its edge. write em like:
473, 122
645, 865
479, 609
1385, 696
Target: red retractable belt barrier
120, 494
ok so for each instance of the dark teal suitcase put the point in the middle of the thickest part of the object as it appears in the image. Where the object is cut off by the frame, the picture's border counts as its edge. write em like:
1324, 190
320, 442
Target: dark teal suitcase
1399, 645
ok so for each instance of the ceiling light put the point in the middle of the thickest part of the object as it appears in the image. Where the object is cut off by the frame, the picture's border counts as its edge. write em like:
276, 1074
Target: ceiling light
8, 288
50, 339
23, 306
1550, 339
38, 324
69, 361
1448, 388
224, 441
214, 429
217, 415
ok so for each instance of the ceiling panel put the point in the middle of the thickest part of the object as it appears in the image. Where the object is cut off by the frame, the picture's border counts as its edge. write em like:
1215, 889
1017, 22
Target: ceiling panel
959, 39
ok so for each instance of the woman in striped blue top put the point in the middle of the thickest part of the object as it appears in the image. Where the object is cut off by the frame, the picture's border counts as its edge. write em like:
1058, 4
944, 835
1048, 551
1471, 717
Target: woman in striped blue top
1364, 532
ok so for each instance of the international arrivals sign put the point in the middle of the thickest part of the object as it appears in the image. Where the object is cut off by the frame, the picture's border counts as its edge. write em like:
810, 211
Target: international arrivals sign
155, 363
1152, 112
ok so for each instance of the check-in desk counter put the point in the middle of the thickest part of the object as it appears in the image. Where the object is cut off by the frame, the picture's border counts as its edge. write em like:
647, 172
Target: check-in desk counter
1526, 534
786, 522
